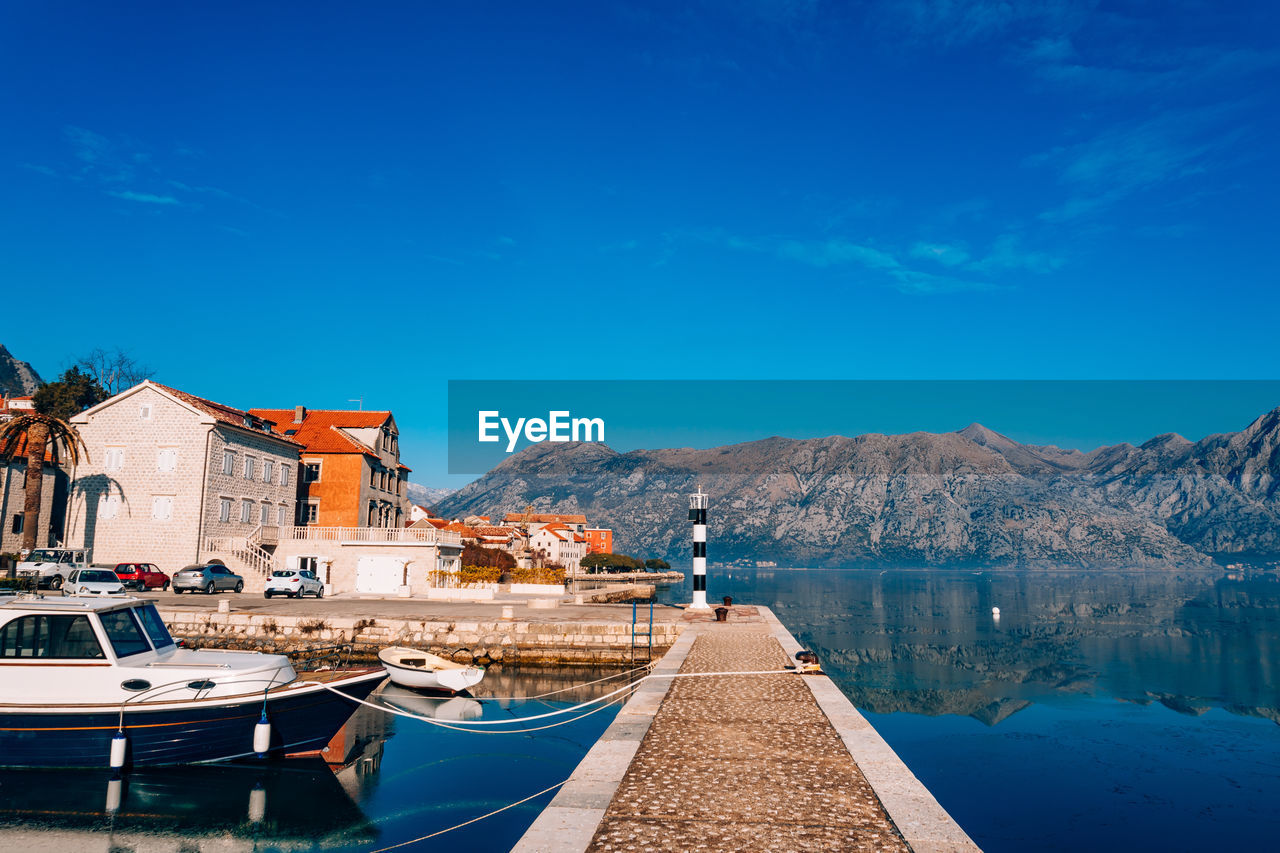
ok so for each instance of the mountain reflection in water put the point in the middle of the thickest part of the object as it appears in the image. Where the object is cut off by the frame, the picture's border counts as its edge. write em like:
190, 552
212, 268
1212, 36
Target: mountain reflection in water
926, 642
1103, 712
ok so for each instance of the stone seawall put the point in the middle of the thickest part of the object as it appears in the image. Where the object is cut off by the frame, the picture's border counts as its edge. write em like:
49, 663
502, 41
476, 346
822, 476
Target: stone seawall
505, 640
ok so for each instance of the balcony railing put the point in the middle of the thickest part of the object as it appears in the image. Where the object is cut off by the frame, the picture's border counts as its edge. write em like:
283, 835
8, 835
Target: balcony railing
407, 535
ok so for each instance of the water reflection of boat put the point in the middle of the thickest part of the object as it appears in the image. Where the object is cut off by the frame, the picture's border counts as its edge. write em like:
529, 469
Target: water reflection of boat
437, 707
418, 669
294, 804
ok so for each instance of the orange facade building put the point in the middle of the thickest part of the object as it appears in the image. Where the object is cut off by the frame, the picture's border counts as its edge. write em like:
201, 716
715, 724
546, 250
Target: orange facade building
350, 474
599, 540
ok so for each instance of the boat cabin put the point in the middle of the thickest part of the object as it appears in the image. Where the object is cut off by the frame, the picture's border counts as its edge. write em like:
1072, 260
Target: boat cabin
115, 649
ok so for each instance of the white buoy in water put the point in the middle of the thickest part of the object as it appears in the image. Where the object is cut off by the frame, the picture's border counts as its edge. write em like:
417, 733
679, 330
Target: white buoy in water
119, 744
995, 611
257, 803
262, 736
114, 790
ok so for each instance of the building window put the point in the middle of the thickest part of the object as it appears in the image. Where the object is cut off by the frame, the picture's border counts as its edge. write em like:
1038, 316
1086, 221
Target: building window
268, 470
224, 509
309, 564
284, 475
108, 506
373, 514
228, 462
145, 411
114, 460
373, 478
249, 467
280, 515
246, 511
17, 523
309, 513
162, 507
311, 472
167, 459
264, 515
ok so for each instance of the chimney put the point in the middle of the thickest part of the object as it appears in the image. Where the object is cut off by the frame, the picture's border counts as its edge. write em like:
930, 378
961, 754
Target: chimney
299, 414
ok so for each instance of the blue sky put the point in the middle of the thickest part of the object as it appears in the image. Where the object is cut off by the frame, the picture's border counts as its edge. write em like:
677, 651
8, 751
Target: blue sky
307, 203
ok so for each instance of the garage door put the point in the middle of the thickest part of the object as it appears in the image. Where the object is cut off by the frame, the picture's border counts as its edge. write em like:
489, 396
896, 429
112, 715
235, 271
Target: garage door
379, 575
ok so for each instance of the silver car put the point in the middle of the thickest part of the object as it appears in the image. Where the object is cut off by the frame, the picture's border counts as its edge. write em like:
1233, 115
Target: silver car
208, 578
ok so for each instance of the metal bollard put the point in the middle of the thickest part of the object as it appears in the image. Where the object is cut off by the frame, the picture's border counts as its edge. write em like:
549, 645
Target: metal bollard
722, 614
728, 601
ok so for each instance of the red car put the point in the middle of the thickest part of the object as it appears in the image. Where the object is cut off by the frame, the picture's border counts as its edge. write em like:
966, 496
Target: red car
141, 576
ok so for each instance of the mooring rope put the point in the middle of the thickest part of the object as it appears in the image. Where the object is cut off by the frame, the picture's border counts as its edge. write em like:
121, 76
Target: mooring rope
469, 724
473, 820
462, 728
563, 689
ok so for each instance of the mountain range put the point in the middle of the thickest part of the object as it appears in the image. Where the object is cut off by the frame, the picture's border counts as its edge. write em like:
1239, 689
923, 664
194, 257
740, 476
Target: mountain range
17, 378
967, 498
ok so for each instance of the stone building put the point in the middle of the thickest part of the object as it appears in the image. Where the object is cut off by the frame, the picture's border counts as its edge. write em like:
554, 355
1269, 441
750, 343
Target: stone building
351, 474
13, 499
172, 479
561, 544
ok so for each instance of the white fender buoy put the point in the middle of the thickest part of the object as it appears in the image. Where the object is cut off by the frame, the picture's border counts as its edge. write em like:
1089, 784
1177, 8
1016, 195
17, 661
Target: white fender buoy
119, 743
257, 803
262, 736
115, 788
995, 611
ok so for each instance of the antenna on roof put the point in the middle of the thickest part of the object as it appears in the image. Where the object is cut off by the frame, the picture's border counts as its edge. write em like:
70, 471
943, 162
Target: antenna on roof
360, 401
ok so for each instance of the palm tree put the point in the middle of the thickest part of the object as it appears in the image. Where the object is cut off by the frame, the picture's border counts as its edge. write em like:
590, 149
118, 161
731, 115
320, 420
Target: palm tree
34, 435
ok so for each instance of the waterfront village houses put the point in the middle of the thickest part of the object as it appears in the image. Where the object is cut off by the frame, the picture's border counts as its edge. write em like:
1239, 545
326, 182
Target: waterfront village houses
174, 479
352, 475
13, 499
561, 544
167, 473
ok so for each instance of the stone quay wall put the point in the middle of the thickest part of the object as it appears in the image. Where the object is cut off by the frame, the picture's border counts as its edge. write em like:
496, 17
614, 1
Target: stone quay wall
502, 640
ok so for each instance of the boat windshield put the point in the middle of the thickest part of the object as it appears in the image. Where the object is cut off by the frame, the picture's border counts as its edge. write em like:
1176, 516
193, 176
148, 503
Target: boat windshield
41, 636
125, 634
154, 626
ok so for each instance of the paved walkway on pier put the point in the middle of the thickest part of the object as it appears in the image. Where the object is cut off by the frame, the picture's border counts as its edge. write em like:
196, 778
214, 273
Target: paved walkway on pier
752, 762
745, 762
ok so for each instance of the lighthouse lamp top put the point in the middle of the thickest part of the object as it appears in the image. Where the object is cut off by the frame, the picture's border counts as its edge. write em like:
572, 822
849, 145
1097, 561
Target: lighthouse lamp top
698, 500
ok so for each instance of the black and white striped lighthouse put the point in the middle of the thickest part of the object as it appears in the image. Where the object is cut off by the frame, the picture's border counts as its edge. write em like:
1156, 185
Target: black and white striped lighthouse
698, 515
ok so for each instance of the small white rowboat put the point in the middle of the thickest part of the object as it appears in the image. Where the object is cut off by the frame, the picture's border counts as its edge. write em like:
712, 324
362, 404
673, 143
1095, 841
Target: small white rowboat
418, 669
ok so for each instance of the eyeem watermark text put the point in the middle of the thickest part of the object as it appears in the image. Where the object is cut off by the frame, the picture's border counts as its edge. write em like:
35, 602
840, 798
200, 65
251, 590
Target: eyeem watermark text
558, 427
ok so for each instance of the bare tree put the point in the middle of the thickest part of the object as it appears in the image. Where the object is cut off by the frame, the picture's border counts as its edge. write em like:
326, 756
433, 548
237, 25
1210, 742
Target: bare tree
114, 370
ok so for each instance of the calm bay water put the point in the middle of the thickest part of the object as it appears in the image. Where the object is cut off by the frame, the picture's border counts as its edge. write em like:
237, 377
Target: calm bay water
1100, 712
1122, 711
400, 779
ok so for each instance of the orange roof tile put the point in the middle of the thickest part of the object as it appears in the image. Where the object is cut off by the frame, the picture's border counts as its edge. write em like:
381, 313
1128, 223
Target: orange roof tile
225, 414
321, 430
543, 517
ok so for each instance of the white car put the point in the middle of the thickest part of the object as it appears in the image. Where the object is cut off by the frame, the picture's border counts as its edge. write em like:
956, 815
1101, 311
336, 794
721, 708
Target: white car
93, 582
294, 583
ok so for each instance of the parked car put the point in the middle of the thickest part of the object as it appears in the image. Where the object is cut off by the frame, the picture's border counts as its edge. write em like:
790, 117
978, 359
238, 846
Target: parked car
294, 583
142, 576
50, 567
209, 577
92, 582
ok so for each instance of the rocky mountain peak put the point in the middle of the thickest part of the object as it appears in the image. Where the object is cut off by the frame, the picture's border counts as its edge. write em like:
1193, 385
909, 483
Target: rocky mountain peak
17, 378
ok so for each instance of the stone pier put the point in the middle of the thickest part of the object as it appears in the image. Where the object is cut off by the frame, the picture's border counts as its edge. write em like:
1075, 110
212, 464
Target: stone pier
741, 762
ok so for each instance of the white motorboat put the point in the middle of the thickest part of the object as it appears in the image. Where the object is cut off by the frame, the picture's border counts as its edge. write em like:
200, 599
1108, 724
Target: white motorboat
424, 671
98, 682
